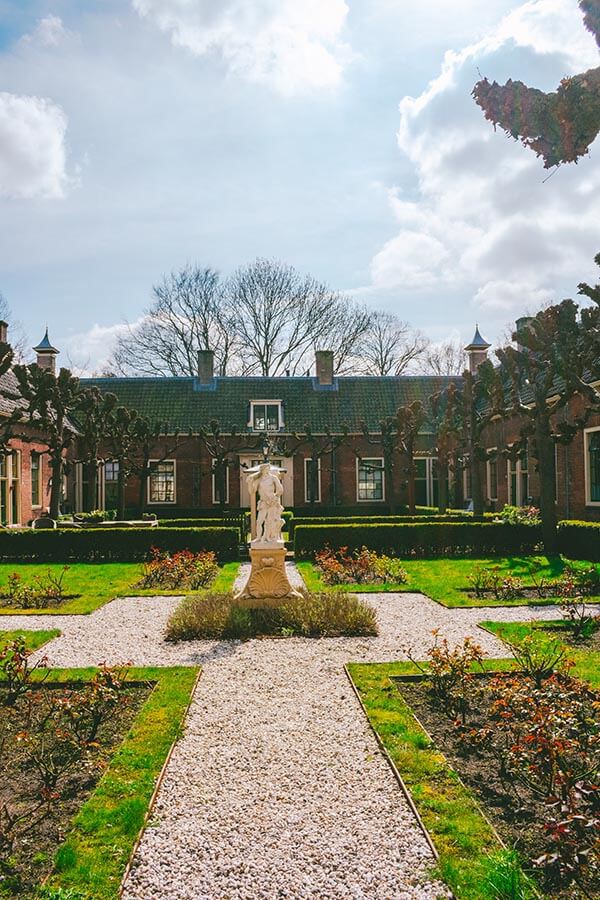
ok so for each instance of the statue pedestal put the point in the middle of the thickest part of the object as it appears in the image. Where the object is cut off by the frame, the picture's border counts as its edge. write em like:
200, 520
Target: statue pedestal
268, 577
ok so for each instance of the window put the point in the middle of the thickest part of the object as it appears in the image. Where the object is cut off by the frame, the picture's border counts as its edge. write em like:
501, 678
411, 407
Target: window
316, 485
370, 479
426, 481
36, 479
111, 484
10, 488
518, 481
161, 488
266, 415
492, 479
592, 466
225, 486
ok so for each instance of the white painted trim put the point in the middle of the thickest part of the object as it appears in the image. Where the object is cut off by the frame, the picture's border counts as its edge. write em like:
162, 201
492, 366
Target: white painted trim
307, 459
586, 466
149, 485
488, 479
371, 459
254, 403
40, 480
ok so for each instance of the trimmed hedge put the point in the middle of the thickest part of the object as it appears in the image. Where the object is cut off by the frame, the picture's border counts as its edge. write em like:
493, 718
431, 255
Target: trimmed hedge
381, 520
114, 544
579, 540
428, 539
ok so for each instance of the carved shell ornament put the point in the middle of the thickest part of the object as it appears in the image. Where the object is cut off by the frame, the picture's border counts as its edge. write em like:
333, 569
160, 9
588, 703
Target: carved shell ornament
268, 582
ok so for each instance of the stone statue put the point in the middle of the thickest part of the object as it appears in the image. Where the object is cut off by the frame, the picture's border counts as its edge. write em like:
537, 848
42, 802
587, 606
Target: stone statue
265, 484
268, 576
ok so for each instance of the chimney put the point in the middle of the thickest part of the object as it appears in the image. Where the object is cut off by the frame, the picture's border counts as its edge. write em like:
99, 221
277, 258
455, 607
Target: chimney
477, 351
324, 360
3, 332
522, 324
46, 354
206, 366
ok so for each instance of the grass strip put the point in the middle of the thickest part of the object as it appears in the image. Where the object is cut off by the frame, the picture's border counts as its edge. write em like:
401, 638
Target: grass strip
472, 859
447, 580
95, 584
33, 639
587, 662
90, 864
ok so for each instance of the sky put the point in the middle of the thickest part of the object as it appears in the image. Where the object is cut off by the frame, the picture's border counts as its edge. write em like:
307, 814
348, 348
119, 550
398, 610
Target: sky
339, 136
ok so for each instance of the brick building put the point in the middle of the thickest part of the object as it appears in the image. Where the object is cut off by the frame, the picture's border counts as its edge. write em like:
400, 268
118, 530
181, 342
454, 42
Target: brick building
350, 477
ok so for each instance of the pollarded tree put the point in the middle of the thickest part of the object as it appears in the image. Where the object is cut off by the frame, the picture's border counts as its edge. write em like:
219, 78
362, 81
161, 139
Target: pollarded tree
319, 446
51, 402
93, 417
478, 400
558, 126
8, 423
442, 417
554, 361
409, 422
223, 450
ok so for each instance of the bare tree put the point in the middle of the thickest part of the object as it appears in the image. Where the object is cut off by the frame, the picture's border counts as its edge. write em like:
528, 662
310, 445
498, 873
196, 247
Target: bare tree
447, 358
344, 334
389, 345
190, 312
16, 333
283, 316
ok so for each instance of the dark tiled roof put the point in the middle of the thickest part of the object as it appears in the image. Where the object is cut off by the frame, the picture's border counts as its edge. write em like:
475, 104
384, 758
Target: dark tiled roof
184, 404
45, 345
10, 398
478, 343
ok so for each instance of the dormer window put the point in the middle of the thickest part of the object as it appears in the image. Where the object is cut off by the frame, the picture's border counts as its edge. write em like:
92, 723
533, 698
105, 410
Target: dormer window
265, 415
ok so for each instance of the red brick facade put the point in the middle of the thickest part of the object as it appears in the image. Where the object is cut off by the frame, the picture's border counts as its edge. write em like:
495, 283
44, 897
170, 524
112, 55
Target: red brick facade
24, 482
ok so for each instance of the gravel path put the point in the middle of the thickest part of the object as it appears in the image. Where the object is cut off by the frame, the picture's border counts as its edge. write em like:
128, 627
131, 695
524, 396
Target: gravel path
277, 789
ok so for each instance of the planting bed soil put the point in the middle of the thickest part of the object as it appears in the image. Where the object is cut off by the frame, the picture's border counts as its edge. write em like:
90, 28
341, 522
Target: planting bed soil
33, 855
514, 820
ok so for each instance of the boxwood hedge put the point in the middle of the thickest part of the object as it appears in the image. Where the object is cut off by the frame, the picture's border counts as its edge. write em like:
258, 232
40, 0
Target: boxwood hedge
421, 539
579, 540
114, 544
378, 520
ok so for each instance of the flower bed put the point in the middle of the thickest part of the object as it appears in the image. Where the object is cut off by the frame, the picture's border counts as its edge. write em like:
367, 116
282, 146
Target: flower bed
361, 567
41, 591
54, 744
184, 569
527, 742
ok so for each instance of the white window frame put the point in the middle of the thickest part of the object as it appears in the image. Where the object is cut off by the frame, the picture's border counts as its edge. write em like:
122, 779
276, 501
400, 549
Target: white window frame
278, 403
370, 459
215, 499
317, 499
149, 487
40, 480
518, 500
488, 478
429, 468
586, 459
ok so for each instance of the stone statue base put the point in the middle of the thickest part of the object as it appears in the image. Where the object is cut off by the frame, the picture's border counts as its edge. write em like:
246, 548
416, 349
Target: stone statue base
268, 577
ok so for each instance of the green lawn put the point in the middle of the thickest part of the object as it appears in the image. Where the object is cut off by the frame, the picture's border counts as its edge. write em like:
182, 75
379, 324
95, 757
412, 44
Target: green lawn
94, 584
33, 639
587, 662
471, 857
444, 579
92, 860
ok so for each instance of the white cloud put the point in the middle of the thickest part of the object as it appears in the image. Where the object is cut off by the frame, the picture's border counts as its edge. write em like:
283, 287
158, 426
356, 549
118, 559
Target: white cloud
484, 221
32, 147
292, 46
49, 32
89, 351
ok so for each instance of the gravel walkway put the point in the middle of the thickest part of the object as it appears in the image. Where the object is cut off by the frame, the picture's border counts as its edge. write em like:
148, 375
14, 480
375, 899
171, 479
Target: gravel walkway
277, 789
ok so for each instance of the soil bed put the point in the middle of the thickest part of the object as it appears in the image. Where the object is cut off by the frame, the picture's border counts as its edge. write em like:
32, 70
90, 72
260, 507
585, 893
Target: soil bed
32, 858
479, 771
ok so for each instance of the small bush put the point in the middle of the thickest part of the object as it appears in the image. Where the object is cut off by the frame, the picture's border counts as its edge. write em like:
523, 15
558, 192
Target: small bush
520, 515
361, 567
183, 569
216, 616
39, 593
449, 672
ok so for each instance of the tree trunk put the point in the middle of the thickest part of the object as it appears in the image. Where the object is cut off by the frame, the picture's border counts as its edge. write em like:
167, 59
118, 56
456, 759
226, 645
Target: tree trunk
411, 487
545, 461
390, 488
121, 493
476, 483
91, 471
442, 468
56, 468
